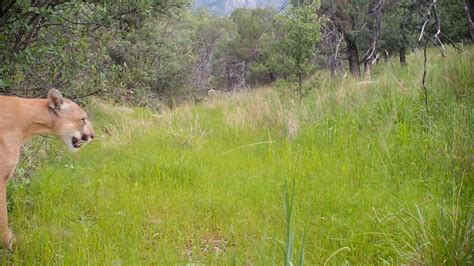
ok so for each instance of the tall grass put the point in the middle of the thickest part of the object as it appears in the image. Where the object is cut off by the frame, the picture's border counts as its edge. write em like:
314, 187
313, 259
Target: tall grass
377, 181
289, 225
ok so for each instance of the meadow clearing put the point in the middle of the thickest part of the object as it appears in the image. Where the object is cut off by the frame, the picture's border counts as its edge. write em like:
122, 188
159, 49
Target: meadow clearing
357, 173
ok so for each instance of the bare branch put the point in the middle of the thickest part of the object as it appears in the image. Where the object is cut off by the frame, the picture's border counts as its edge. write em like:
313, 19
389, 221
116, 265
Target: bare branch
423, 29
438, 24
370, 56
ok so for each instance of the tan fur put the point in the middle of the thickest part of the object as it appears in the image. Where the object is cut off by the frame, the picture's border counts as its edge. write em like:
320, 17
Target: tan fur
20, 120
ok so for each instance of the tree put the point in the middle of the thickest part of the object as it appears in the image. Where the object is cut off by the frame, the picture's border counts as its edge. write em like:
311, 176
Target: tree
208, 33
61, 43
289, 47
46, 45
361, 24
399, 29
156, 59
370, 56
347, 16
239, 53
455, 27
469, 6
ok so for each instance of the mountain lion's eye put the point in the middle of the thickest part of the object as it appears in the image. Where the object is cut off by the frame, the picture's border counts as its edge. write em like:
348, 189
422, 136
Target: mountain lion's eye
83, 120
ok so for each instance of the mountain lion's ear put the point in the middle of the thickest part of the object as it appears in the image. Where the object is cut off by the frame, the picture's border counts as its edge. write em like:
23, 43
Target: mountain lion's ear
55, 99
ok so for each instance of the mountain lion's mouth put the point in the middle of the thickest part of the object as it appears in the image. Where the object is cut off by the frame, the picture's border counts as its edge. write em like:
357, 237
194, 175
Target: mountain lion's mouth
77, 143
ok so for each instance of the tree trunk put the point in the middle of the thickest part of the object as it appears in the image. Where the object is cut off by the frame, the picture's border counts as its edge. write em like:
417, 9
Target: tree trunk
371, 56
235, 72
368, 70
272, 77
202, 69
353, 57
334, 40
469, 6
403, 59
300, 85
385, 56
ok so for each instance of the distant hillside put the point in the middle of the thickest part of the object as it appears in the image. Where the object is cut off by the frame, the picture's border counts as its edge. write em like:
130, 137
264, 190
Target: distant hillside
224, 7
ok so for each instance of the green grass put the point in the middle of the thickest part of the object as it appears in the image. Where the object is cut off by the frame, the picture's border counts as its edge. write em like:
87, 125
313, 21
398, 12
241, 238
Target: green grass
358, 173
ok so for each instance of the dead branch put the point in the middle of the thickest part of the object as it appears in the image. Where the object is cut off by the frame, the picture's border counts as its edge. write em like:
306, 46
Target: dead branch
431, 14
370, 55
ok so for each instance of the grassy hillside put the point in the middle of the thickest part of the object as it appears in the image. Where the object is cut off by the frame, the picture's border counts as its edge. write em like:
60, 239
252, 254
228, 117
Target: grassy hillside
358, 173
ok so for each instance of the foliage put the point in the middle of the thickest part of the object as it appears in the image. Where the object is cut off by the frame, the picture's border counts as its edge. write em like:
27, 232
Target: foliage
399, 27
401, 21
251, 24
142, 52
242, 48
289, 48
155, 58
63, 43
455, 26
210, 33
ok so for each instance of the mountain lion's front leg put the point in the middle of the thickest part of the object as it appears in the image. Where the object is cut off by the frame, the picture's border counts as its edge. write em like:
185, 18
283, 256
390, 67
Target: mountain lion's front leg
8, 161
7, 235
